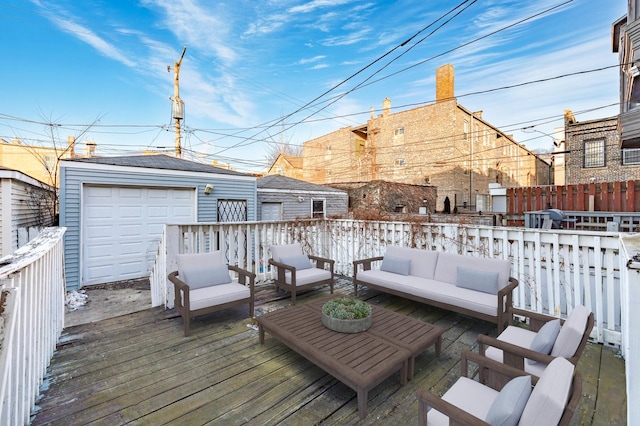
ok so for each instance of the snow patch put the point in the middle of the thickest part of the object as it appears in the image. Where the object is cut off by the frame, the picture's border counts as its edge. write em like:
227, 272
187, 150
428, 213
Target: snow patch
75, 299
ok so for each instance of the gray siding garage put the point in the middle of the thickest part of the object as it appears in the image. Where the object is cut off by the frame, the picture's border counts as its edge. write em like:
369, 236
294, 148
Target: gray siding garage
115, 208
285, 198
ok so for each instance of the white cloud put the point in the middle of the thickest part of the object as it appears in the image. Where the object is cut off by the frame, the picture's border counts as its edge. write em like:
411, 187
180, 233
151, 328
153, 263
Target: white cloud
316, 4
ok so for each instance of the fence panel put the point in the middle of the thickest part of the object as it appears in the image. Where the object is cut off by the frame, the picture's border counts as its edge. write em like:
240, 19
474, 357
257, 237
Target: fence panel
34, 274
556, 269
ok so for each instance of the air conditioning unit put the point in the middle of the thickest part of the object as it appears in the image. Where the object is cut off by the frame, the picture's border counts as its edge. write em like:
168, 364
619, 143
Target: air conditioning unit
634, 71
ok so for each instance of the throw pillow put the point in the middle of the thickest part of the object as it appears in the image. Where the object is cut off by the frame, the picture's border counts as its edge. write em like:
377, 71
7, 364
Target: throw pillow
299, 262
545, 338
206, 276
397, 265
510, 402
473, 279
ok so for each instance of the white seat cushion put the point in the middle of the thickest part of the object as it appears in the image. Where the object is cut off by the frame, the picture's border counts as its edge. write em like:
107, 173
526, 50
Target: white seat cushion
308, 276
468, 395
433, 290
520, 337
217, 295
550, 395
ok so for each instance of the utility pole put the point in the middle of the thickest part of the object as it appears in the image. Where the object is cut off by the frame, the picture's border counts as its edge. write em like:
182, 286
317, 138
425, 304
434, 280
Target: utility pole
177, 105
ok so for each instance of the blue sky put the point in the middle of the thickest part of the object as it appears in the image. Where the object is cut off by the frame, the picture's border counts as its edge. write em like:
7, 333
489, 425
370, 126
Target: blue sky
251, 65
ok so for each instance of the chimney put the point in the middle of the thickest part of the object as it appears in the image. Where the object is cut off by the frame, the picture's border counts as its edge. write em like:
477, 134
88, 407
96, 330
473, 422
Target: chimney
386, 107
444, 83
569, 118
89, 148
71, 144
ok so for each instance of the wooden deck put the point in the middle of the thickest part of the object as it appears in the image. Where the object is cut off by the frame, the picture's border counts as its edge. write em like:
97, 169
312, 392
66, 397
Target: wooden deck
140, 369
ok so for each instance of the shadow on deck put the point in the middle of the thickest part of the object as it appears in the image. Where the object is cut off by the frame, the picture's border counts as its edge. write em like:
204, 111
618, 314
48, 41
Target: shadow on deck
140, 368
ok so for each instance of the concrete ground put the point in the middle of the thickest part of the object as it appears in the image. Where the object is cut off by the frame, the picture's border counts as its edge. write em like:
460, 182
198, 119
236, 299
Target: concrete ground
110, 300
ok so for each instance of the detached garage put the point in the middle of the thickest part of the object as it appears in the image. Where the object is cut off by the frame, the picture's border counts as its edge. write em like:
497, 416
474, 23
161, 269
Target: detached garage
115, 208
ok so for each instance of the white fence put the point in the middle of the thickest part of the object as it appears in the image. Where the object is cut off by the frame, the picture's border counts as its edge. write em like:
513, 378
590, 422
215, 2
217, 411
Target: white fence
33, 315
556, 269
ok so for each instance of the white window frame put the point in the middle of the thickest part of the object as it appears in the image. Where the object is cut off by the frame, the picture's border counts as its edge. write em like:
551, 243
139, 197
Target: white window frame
316, 213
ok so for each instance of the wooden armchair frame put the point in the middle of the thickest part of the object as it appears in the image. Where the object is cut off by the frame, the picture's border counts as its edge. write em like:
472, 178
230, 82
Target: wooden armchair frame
514, 355
282, 268
457, 416
182, 298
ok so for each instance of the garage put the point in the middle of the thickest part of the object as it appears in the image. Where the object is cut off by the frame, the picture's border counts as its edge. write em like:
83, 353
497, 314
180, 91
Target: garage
115, 209
121, 228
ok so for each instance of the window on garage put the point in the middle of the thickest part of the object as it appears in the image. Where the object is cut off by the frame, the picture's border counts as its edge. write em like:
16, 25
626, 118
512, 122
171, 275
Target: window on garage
318, 209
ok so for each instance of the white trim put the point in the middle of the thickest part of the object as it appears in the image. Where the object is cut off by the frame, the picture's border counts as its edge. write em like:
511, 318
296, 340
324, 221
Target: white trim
16, 175
294, 191
147, 170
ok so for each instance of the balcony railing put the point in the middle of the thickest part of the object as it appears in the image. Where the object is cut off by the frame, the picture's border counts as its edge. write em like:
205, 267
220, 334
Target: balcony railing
32, 282
556, 270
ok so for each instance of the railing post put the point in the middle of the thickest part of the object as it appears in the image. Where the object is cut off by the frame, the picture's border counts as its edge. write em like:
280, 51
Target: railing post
630, 306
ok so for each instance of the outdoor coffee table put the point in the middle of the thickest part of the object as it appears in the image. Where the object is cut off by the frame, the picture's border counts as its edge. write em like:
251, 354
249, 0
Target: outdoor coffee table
360, 361
401, 330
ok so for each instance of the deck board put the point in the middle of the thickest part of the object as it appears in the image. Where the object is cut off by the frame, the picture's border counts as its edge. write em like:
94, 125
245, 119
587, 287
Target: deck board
140, 368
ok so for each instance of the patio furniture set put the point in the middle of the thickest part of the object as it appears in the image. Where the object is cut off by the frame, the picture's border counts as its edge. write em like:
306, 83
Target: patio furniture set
526, 375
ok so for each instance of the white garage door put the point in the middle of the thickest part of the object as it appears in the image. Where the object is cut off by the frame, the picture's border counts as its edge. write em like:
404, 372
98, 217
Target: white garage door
121, 228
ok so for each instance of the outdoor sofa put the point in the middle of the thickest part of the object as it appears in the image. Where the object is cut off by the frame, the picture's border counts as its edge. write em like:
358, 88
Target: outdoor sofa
475, 286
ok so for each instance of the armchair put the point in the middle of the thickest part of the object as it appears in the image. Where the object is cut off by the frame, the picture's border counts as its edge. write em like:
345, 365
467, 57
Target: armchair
294, 270
552, 401
547, 338
202, 285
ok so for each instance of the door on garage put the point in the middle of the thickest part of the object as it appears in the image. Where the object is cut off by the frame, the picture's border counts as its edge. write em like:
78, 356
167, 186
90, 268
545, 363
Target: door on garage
271, 211
121, 228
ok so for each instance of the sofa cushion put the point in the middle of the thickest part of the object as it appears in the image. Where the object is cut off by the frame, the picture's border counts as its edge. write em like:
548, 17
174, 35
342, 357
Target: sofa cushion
198, 260
423, 262
396, 265
473, 279
433, 290
205, 276
217, 295
447, 265
545, 338
467, 394
286, 250
571, 333
510, 402
520, 337
308, 276
550, 395
300, 261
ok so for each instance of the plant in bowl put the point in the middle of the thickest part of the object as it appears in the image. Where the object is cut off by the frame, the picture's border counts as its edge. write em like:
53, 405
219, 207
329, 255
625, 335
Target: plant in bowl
346, 315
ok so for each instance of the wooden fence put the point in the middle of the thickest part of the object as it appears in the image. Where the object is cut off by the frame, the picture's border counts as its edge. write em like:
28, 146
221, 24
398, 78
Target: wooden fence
556, 269
597, 196
32, 280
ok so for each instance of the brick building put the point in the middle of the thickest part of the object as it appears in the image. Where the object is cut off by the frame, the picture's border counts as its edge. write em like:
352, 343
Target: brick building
595, 153
441, 144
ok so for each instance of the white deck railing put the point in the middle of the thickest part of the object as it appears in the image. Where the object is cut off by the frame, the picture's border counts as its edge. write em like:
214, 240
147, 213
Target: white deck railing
556, 269
33, 320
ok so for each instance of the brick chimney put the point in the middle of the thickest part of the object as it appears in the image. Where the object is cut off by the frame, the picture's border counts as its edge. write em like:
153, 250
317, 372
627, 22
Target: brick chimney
71, 145
386, 107
444, 83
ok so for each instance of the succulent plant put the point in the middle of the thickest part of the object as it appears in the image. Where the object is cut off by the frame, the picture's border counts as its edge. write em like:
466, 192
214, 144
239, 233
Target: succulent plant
346, 308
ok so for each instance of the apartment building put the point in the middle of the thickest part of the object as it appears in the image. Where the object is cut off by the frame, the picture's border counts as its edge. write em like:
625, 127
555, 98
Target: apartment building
442, 144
